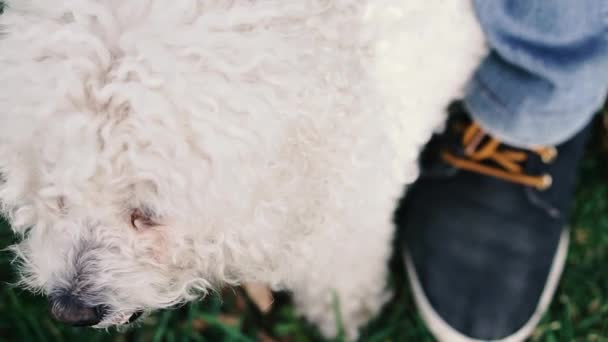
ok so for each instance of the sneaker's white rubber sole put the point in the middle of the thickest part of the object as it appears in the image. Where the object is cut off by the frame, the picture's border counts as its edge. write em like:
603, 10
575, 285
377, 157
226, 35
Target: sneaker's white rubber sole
445, 333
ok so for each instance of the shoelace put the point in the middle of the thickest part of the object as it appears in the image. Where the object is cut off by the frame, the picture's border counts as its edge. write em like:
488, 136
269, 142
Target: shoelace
479, 148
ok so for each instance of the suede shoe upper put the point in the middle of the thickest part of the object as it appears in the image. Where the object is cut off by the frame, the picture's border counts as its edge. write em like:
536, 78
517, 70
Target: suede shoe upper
483, 237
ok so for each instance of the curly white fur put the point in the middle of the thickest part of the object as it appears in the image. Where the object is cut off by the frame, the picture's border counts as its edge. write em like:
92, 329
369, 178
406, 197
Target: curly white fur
269, 139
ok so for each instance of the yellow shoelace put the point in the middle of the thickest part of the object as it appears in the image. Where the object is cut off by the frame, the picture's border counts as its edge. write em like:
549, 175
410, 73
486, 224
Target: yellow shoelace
479, 147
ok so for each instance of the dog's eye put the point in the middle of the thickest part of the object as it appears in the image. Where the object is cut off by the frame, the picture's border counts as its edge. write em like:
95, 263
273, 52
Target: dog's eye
142, 219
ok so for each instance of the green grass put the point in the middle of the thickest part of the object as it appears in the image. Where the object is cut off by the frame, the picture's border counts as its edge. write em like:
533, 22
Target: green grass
578, 313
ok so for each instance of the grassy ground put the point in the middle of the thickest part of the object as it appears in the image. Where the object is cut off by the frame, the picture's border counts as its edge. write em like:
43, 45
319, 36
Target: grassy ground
579, 311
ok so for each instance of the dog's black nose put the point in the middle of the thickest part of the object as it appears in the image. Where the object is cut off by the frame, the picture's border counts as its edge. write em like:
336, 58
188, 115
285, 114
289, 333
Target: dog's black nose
68, 309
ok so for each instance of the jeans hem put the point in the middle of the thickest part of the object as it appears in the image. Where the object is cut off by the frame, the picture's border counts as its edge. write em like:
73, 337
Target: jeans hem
523, 130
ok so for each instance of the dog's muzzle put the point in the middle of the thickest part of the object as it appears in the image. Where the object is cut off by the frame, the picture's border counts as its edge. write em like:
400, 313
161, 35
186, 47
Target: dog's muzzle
69, 310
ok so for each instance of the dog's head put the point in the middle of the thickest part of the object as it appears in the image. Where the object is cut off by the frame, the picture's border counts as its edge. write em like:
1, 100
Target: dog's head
109, 221
112, 213
120, 153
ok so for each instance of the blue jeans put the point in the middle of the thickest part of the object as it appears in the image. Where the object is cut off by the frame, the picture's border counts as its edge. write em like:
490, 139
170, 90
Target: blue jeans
547, 74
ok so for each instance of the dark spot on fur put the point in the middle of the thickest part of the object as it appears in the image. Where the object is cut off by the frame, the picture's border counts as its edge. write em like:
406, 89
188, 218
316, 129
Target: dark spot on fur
61, 205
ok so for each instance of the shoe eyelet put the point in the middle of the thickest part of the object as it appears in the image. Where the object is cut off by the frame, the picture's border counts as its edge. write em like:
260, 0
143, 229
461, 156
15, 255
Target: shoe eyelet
548, 155
547, 182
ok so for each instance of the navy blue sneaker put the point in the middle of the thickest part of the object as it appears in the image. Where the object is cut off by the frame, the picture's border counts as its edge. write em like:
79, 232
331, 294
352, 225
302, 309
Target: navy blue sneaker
485, 232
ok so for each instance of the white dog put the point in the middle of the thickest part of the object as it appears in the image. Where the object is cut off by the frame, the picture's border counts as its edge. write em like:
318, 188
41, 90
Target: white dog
151, 150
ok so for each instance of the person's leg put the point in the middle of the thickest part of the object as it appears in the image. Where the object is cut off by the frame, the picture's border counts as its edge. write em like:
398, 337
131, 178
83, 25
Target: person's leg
547, 73
484, 224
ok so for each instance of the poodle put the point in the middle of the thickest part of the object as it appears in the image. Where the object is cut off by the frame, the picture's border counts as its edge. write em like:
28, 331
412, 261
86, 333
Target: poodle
152, 151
